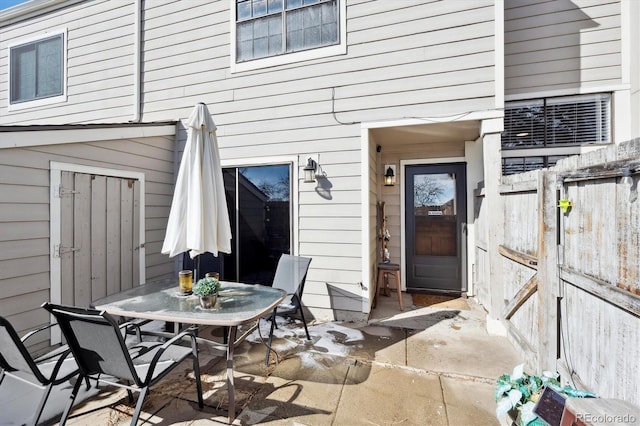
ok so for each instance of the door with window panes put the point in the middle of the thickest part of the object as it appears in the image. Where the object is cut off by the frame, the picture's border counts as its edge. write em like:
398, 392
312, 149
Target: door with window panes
435, 221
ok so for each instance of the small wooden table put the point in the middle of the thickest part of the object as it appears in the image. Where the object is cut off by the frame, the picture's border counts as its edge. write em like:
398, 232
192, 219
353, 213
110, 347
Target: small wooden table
238, 304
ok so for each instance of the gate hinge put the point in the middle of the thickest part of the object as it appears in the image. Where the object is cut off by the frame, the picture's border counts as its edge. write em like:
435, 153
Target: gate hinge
59, 250
60, 191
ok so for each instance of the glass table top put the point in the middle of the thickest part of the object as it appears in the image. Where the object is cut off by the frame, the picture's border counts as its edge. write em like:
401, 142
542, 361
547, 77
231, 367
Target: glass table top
161, 300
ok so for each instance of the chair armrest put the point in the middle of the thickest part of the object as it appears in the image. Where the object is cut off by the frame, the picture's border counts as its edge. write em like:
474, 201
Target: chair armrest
61, 354
177, 337
37, 330
133, 327
63, 357
165, 346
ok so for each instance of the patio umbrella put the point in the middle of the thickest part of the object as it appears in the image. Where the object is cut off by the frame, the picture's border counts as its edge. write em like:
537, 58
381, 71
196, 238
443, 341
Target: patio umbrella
199, 220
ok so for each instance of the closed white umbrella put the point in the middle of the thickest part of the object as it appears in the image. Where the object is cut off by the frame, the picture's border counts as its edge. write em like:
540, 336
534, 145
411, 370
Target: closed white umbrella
199, 219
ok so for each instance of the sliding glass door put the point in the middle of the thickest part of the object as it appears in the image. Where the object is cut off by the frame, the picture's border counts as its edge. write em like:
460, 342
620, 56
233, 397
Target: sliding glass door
258, 199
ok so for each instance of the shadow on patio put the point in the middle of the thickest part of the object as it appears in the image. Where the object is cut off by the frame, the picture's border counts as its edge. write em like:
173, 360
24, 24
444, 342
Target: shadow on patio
426, 365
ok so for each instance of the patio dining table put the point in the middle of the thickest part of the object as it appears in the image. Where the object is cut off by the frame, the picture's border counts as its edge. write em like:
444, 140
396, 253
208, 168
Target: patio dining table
238, 304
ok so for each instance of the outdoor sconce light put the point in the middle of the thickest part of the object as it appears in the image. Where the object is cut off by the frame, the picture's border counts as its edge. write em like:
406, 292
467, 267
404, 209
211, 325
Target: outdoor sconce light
390, 176
310, 170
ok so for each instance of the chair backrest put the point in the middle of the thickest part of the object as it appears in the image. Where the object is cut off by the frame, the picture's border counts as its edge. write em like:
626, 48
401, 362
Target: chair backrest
14, 356
291, 274
95, 340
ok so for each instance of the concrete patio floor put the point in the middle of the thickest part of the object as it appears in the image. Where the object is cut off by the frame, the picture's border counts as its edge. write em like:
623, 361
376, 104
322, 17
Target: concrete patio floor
424, 366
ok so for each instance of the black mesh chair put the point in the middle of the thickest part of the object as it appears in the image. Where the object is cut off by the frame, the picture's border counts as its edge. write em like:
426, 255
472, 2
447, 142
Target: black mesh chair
44, 372
101, 351
291, 274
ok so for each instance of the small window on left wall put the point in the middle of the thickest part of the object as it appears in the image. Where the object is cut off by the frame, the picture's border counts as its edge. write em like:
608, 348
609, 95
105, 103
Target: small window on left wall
37, 71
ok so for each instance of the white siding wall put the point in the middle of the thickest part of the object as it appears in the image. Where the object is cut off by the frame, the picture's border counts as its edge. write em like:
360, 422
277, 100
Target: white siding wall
561, 45
100, 59
24, 214
405, 59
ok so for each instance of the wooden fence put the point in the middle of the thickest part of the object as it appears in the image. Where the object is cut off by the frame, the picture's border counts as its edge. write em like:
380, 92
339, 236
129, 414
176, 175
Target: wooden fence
566, 284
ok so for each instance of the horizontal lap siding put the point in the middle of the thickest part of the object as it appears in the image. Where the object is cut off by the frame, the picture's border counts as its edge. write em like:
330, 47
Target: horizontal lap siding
405, 59
100, 64
558, 45
409, 56
24, 213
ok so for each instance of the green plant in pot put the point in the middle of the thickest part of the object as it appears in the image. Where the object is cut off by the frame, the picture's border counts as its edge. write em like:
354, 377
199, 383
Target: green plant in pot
207, 289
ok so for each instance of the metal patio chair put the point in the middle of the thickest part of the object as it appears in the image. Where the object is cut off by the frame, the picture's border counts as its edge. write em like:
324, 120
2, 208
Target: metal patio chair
44, 372
290, 276
103, 355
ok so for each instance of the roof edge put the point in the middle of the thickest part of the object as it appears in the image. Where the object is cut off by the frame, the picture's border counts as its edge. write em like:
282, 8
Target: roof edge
40, 127
25, 136
31, 8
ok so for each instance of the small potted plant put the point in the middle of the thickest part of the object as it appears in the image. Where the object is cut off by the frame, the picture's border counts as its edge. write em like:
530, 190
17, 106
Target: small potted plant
207, 289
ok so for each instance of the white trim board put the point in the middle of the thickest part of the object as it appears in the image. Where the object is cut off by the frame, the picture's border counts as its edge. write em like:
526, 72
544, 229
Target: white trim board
365, 264
25, 138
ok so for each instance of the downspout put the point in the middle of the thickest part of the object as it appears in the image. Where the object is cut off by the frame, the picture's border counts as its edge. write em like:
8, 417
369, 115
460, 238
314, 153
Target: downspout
136, 62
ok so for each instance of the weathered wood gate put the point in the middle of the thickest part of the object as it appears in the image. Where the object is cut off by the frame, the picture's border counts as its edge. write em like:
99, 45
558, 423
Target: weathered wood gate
569, 280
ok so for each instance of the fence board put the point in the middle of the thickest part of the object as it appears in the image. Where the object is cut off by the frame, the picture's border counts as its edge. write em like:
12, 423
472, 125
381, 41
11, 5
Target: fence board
547, 273
522, 296
602, 290
521, 258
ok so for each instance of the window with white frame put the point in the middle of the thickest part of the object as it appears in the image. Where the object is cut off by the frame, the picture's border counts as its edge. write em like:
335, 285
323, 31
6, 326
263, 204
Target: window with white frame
267, 28
549, 125
37, 70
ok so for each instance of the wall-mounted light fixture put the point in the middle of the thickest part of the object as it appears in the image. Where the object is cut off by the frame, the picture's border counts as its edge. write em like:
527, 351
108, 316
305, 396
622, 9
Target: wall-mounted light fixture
310, 170
389, 174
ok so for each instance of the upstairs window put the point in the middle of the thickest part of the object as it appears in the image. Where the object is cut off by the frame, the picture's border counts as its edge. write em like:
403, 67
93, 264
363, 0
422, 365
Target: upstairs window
266, 28
552, 124
562, 121
37, 70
